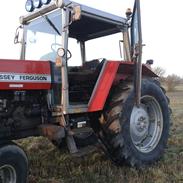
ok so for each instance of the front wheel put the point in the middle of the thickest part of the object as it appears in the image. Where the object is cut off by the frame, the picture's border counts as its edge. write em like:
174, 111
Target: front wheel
144, 129
13, 164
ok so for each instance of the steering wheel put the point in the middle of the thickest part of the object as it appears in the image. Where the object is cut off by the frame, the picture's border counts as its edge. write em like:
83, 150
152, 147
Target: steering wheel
55, 46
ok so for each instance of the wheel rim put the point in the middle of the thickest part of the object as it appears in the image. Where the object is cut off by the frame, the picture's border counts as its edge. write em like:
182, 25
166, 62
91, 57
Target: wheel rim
146, 124
7, 174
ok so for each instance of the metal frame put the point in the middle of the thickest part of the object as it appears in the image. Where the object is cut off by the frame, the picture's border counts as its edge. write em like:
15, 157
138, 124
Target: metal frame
126, 45
64, 72
23, 44
138, 57
83, 52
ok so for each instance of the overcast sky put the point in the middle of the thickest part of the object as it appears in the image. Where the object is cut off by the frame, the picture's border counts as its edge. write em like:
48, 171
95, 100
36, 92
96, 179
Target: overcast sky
161, 24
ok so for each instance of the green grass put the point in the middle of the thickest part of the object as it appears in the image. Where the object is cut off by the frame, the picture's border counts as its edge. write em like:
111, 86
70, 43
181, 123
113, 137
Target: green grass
49, 165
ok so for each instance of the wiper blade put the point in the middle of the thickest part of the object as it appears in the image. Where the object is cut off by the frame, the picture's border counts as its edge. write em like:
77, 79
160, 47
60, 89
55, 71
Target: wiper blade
51, 24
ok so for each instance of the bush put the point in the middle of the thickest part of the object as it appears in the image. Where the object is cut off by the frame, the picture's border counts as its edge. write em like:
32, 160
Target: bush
172, 81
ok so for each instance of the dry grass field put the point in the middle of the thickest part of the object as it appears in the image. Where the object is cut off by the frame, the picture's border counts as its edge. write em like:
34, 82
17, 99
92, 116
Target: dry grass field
49, 165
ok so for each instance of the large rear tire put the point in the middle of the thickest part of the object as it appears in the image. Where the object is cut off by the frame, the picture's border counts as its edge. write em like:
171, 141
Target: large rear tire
143, 133
13, 164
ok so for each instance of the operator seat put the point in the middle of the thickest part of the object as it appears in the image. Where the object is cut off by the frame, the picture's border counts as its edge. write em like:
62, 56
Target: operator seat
89, 72
82, 81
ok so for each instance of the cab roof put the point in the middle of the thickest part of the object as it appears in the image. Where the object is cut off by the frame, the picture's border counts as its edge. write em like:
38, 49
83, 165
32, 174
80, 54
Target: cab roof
93, 23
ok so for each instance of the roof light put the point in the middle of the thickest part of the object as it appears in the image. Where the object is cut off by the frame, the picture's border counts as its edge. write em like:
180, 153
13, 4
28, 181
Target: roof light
59, 3
29, 6
37, 3
45, 1
128, 13
77, 13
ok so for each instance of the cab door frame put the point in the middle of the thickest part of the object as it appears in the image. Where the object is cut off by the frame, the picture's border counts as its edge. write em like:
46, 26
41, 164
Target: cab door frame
136, 46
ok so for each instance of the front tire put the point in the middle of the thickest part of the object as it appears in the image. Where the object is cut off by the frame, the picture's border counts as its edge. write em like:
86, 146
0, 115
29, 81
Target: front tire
13, 164
144, 130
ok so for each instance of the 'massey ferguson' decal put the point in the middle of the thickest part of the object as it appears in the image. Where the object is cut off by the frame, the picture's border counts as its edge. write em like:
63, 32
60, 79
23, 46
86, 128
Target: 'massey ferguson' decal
25, 78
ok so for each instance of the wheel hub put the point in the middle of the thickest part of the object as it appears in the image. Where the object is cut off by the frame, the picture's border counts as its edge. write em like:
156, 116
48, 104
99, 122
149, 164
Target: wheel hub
146, 124
139, 123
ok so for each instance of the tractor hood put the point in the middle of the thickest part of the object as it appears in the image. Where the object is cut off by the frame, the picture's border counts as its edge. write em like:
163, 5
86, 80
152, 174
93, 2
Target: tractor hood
25, 75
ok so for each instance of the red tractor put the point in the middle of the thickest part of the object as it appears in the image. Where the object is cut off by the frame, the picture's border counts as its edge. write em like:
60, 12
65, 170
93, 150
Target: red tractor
118, 104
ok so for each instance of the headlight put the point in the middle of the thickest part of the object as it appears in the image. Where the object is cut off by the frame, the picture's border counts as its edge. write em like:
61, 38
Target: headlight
45, 1
29, 6
37, 3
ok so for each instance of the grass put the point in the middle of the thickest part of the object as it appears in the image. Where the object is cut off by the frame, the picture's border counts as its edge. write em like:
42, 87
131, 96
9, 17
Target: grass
49, 165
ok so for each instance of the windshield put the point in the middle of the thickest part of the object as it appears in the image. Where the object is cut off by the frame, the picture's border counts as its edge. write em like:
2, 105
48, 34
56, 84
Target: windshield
43, 37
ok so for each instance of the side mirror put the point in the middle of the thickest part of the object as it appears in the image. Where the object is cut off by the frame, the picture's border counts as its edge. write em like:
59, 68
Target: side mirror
17, 38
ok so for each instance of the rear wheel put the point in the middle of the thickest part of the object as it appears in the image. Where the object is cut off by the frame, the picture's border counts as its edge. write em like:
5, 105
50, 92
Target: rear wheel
13, 164
143, 131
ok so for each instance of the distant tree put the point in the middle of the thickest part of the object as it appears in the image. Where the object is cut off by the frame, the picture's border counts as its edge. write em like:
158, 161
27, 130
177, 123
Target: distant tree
160, 72
172, 81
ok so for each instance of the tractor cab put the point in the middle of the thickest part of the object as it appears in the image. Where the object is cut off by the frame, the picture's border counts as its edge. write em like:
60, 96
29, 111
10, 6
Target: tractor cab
70, 35
44, 32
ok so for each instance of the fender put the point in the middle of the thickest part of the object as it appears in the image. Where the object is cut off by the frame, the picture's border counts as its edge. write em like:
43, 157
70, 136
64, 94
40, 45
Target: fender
112, 72
103, 85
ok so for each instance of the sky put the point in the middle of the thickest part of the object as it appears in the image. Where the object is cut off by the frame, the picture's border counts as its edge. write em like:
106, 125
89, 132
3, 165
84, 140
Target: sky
162, 28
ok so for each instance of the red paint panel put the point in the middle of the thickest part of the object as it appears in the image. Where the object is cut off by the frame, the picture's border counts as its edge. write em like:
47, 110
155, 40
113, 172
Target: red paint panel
25, 66
103, 86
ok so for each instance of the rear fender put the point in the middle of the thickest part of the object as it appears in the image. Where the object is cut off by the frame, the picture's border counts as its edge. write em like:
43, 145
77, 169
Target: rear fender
112, 72
127, 68
103, 85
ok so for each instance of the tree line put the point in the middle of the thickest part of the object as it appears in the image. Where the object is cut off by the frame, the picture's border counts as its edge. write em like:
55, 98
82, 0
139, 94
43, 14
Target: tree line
170, 81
